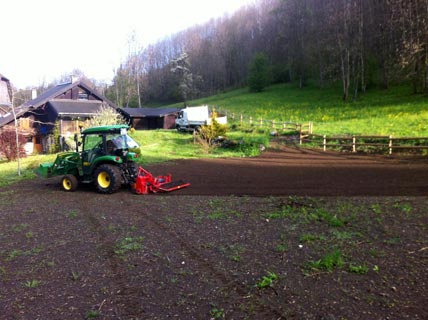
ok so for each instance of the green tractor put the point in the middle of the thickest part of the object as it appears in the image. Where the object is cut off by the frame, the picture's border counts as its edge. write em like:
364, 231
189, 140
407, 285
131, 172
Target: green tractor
105, 160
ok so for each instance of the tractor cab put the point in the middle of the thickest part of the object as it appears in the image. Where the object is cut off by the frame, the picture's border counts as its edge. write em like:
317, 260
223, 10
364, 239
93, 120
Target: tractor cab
106, 144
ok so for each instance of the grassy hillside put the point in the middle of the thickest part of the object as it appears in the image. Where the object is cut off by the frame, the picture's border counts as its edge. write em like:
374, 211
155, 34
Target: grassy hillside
379, 112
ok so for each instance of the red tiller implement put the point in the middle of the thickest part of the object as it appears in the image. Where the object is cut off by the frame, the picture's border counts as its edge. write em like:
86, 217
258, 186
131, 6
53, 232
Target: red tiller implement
146, 183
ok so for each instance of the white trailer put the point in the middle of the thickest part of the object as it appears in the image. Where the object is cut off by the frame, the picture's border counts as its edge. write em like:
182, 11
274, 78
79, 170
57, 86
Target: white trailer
192, 118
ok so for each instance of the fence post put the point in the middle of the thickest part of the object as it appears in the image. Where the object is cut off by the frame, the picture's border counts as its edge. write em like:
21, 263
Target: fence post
324, 142
261, 122
390, 144
354, 140
242, 119
251, 121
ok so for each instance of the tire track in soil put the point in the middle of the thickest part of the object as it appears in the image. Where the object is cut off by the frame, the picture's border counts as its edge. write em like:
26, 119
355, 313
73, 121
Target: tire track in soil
242, 291
125, 297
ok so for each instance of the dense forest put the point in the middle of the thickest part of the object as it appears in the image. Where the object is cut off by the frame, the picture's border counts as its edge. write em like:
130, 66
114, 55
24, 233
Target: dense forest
355, 43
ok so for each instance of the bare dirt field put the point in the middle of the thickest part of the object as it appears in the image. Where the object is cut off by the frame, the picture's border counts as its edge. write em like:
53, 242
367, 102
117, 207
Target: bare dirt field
292, 234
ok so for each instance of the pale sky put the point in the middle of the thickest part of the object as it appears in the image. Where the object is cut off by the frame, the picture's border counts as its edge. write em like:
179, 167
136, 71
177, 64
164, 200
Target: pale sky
44, 39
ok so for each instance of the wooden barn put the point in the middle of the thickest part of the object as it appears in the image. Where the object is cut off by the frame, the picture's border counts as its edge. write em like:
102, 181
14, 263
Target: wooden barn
150, 118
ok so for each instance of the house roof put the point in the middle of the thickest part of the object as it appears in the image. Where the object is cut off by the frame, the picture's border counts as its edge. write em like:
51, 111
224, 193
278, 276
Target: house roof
54, 92
51, 94
147, 112
73, 108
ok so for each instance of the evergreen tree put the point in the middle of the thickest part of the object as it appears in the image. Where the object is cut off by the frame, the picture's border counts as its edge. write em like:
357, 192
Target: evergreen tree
258, 77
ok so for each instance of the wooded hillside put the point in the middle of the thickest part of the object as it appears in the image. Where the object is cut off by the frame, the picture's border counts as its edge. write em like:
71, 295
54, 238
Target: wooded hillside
358, 43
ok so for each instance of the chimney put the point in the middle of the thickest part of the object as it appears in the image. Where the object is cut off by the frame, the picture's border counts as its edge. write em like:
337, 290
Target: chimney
33, 93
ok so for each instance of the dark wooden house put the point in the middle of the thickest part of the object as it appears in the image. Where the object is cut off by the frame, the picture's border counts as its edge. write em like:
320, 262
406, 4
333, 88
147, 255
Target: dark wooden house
70, 105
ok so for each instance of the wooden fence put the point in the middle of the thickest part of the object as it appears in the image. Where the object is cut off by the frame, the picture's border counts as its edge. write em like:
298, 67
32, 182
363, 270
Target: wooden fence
354, 143
277, 126
388, 144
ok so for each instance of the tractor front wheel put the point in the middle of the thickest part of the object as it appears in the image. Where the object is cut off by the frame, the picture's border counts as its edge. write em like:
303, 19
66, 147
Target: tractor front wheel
69, 183
108, 178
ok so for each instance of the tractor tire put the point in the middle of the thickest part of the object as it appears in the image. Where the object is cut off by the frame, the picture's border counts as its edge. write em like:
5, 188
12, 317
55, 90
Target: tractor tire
69, 183
108, 178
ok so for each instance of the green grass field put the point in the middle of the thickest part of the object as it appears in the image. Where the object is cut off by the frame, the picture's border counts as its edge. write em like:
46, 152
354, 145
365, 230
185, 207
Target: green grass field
394, 112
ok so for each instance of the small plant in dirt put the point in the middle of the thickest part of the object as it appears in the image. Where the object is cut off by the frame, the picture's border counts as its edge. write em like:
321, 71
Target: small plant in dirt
127, 244
16, 253
308, 238
111, 228
75, 275
394, 240
29, 235
32, 283
375, 253
267, 281
233, 252
359, 269
72, 213
283, 213
345, 235
282, 246
328, 262
92, 314
20, 227
217, 313
331, 219
403, 206
376, 208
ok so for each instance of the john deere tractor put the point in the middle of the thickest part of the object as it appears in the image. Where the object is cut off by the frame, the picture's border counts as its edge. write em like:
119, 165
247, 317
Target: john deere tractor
105, 160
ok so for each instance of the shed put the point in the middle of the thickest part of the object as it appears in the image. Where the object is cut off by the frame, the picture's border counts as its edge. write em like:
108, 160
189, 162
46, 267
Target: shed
150, 118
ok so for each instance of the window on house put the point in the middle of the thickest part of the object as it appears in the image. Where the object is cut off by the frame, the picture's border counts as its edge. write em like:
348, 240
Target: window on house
83, 95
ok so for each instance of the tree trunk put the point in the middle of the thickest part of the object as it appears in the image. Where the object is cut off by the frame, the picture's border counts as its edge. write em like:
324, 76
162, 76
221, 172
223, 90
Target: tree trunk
361, 43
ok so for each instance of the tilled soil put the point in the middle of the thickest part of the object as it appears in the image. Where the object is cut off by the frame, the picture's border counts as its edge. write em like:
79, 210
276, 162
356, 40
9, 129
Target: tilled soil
296, 171
292, 234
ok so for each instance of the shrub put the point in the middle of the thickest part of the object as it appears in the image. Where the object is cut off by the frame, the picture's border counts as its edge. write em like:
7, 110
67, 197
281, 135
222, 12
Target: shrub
8, 146
106, 116
208, 133
212, 131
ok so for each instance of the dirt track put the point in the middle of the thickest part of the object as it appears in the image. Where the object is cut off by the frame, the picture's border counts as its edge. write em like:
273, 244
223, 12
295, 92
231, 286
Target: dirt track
294, 171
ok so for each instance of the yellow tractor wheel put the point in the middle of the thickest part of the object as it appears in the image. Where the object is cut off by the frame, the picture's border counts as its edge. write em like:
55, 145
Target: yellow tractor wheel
108, 178
69, 183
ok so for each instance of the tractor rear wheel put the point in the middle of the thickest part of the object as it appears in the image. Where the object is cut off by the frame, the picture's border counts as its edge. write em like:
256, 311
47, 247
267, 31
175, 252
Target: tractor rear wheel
69, 183
107, 178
